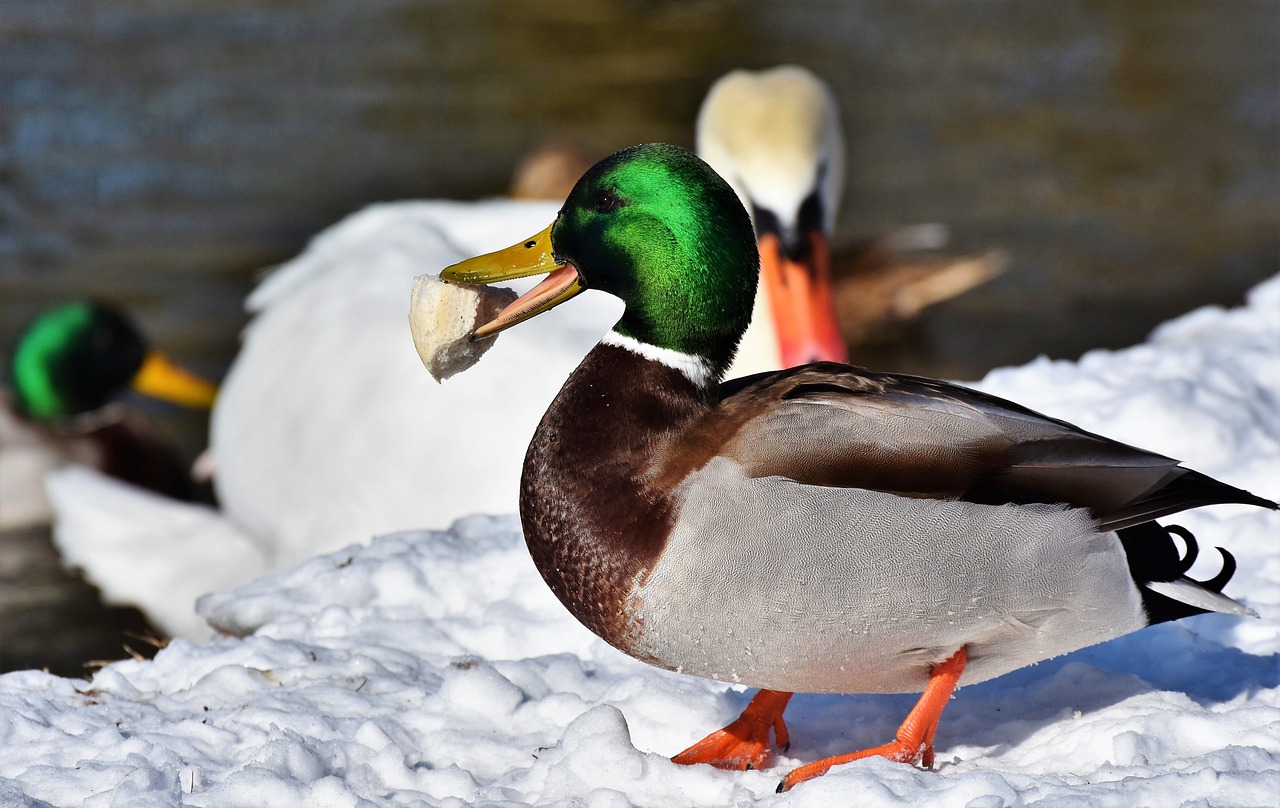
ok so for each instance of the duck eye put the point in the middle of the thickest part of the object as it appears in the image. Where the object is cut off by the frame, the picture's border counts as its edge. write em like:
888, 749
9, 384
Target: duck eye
606, 202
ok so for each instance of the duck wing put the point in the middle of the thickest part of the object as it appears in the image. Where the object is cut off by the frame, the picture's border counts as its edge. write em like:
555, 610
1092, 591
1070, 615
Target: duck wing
841, 426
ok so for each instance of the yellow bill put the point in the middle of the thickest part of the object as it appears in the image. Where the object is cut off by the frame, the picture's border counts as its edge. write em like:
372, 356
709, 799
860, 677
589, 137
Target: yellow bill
161, 378
532, 256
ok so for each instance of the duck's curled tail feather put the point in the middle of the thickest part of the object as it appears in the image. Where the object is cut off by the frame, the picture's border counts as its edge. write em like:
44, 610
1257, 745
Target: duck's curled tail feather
1160, 572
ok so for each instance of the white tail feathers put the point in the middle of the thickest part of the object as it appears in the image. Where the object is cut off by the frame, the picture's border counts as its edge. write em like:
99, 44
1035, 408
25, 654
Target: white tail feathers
1185, 590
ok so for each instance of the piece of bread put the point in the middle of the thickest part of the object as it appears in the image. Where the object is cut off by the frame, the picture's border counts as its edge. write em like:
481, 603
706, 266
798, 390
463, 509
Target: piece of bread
442, 318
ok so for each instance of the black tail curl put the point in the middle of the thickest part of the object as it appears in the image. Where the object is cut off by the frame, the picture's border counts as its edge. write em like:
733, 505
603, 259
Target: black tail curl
1153, 556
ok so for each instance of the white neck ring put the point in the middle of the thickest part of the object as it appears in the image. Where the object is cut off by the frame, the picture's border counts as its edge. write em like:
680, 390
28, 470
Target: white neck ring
696, 368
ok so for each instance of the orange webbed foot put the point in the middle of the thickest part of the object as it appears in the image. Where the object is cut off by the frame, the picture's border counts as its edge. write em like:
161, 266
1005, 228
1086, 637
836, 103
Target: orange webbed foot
914, 743
744, 744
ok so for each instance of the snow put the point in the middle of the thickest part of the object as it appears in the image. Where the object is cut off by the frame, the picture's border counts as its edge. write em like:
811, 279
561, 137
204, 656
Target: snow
435, 668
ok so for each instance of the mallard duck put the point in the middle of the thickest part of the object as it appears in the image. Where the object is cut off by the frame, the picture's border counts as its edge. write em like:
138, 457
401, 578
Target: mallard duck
65, 371
820, 529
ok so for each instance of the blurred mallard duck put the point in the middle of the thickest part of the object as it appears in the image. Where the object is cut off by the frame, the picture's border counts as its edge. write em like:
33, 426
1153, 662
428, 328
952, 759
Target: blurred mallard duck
59, 405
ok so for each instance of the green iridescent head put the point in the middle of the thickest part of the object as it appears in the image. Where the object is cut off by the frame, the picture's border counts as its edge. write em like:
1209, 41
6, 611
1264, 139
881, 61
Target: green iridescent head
73, 359
78, 357
655, 226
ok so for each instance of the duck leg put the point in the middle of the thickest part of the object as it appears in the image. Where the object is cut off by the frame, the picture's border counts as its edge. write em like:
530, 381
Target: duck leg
915, 737
744, 744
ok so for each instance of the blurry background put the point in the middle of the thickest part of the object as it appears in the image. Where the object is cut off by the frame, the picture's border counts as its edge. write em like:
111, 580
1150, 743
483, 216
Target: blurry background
161, 155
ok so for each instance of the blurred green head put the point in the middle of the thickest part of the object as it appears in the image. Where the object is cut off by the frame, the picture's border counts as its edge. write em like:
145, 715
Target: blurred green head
73, 359
78, 357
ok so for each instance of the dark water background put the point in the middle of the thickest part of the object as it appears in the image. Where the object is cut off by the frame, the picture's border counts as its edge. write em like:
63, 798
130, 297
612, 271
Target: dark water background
159, 154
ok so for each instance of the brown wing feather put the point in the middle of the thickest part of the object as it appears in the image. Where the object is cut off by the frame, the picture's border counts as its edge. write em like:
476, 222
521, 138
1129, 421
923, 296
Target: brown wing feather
836, 425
